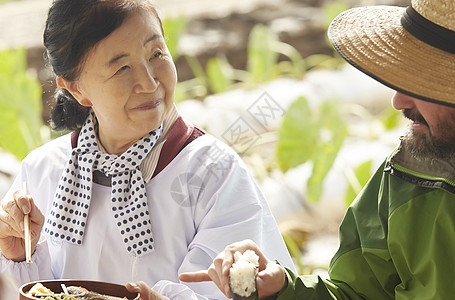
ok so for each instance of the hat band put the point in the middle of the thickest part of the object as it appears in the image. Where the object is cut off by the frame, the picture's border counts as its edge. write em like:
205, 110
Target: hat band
427, 31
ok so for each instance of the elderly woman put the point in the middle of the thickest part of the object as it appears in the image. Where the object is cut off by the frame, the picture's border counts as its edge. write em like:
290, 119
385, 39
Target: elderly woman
135, 193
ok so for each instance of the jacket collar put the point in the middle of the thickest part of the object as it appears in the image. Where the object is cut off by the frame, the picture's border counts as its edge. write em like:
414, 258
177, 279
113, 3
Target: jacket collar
434, 168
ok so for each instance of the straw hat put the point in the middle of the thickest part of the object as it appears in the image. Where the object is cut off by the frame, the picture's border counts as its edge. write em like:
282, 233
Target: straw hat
377, 41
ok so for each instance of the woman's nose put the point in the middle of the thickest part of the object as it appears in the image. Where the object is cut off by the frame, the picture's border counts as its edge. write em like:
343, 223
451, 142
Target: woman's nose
145, 80
401, 101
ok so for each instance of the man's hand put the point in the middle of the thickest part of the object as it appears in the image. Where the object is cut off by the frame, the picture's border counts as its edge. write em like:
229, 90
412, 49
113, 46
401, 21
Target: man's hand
270, 279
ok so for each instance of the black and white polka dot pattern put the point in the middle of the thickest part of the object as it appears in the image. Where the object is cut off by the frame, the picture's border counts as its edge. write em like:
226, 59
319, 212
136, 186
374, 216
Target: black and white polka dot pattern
68, 217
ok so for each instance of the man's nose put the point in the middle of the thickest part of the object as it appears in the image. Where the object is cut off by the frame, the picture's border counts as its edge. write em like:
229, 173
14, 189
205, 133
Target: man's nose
401, 101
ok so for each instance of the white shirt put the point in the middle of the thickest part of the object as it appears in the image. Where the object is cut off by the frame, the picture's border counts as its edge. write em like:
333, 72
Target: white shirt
203, 200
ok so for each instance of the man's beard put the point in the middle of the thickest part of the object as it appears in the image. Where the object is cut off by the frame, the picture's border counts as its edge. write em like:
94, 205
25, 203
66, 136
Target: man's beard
435, 144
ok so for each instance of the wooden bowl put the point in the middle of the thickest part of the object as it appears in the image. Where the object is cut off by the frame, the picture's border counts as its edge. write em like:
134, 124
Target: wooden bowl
105, 288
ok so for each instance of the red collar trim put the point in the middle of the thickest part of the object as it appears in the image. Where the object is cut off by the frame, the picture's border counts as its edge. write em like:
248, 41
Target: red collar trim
181, 135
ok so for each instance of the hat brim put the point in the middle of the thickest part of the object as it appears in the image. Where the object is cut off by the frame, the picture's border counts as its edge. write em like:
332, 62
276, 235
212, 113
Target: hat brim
373, 40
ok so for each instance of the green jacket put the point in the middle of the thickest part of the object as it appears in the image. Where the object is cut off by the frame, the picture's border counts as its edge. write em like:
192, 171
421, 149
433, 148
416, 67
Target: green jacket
397, 239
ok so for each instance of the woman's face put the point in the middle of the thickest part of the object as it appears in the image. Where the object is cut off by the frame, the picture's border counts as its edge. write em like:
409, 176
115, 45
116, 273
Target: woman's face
128, 79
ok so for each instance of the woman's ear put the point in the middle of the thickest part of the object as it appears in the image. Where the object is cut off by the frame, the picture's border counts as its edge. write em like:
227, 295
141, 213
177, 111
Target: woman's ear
74, 89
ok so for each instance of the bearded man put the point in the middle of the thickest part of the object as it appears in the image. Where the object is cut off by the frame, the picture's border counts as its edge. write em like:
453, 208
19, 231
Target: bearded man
397, 239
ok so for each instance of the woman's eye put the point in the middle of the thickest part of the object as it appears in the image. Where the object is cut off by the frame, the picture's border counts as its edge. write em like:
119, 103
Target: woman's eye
121, 70
157, 54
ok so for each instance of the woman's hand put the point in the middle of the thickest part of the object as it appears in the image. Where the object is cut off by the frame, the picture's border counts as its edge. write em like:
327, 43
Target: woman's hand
145, 292
12, 214
270, 279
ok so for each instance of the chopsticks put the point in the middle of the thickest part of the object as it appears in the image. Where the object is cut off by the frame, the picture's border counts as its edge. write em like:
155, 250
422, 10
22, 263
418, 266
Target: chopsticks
65, 290
27, 233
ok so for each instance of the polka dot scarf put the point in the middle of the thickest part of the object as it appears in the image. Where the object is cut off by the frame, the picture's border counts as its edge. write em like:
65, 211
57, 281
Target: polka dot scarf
68, 216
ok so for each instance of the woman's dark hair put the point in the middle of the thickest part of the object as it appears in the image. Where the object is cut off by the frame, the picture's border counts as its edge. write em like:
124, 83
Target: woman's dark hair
73, 28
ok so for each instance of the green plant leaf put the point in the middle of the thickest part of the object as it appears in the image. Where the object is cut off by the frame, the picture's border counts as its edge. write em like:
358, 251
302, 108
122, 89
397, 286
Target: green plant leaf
323, 61
174, 29
391, 118
197, 69
297, 65
294, 251
20, 105
332, 9
217, 76
179, 93
297, 135
311, 135
333, 130
360, 177
262, 59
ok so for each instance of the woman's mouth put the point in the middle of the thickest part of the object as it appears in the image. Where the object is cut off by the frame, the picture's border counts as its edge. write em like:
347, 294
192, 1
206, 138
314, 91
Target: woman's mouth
149, 105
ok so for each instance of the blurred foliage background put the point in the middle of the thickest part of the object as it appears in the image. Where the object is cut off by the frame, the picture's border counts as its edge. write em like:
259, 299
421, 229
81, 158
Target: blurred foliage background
307, 133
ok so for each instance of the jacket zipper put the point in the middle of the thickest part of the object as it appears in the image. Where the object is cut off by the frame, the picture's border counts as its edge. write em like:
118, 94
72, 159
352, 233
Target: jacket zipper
420, 178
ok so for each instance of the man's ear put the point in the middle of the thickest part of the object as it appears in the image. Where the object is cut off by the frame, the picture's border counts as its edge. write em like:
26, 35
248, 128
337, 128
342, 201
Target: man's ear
74, 89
